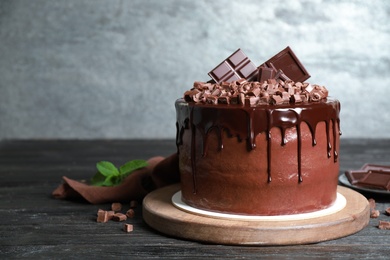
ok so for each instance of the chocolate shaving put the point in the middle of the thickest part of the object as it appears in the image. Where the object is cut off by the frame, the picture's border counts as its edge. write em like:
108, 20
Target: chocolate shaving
273, 91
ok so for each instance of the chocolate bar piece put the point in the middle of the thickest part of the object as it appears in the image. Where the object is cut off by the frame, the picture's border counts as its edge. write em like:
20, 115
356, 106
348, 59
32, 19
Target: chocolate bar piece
265, 74
289, 64
235, 67
375, 167
370, 176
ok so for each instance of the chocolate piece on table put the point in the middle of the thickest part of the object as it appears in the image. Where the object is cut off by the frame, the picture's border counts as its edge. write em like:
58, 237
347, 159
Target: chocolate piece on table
235, 67
370, 176
289, 64
374, 213
102, 216
384, 224
119, 217
116, 206
372, 203
370, 167
130, 213
133, 204
128, 227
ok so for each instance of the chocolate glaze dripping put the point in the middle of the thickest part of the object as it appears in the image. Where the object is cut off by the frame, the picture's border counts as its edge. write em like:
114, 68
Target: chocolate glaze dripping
247, 122
269, 138
298, 126
284, 119
335, 153
193, 151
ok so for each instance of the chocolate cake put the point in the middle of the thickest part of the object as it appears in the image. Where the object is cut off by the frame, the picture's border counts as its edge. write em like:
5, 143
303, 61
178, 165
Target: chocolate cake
256, 141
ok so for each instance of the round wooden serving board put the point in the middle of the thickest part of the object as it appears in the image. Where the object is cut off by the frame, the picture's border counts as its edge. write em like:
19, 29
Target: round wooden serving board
162, 215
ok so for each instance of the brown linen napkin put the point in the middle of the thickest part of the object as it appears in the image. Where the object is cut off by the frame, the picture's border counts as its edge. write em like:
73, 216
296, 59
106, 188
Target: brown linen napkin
159, 172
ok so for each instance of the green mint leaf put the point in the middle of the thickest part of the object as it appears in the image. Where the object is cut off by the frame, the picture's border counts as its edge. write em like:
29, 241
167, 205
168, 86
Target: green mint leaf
109, 175
98, 179
131, 166
107, 168
111, 180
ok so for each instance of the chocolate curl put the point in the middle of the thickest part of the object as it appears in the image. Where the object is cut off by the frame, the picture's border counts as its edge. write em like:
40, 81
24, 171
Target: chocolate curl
158, 173
318, 93
315, 96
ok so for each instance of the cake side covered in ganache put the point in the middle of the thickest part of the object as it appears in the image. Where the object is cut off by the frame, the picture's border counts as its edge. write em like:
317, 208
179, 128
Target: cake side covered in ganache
255, 147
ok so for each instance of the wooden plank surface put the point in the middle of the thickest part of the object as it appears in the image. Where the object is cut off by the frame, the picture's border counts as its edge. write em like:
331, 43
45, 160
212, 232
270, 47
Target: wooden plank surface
32, 224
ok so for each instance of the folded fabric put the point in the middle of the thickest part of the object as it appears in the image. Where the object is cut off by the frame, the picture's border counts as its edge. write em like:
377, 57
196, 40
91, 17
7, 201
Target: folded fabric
159, 173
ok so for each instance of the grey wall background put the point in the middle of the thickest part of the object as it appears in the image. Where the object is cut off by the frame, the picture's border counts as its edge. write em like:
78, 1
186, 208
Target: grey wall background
113, 69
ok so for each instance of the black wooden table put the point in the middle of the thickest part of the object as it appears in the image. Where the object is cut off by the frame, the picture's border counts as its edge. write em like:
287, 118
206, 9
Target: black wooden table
32, 224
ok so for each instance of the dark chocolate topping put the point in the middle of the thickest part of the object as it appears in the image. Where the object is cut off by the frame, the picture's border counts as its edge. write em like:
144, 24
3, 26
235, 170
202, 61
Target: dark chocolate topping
235, 67
284, 65
246, 122
253, 93
286, 61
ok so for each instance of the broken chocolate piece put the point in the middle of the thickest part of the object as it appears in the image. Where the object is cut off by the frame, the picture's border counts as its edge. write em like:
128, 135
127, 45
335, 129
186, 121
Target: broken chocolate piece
281, 76
370, 176
289, 64
211, 100
130, 213
374, 213
251, 101
375, 167
296, 98
265, 73
276, 100
102, 216
235, 67
119, 217
224, 100
372, 203
384, 225
133, 204
127, 228
116, 206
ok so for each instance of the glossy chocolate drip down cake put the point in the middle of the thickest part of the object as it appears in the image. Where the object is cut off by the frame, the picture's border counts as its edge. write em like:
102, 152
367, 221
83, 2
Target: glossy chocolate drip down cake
258, 140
